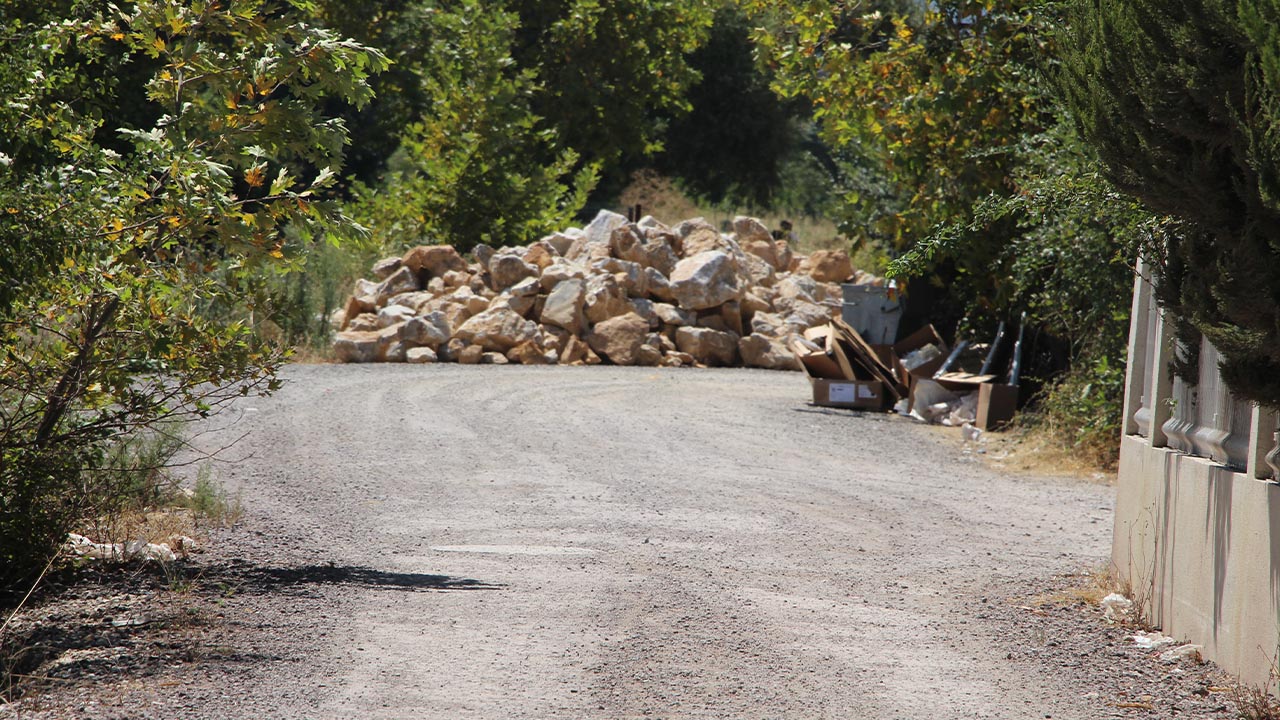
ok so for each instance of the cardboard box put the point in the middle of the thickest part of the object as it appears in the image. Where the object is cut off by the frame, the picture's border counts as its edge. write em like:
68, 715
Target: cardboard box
926, 335
853, 394
997, 403
962, 382
829, 362
867, 364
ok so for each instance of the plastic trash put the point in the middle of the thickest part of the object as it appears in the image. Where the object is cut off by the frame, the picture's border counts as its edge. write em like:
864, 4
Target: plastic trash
136, 549
1152, 640
1183, 652
1115, 605
916, 358
970, 433
963, 411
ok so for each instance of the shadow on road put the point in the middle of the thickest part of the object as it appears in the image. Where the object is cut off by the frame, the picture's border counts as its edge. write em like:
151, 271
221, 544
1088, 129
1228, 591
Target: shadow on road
244, 577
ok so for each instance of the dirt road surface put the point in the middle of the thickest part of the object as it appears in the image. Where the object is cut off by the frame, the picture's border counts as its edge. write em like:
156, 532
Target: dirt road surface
518, 542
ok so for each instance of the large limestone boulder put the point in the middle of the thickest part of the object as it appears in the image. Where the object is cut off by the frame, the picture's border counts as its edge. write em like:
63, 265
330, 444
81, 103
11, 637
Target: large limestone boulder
659, 285
529, 353
796, 287
420, 356
497, 330
521, 305
672, 315
400, 281
618, 339
356, 347
787, 260
415, 301
562, 241
766, 352
564, 306
764, 249
384, 268
431, 261
430, 330
602, 226
647, 310
507, 270
394, 315
829, 266
575, 351
627, 243
806, 315
758, 269
749, 230
594, 243
558, 272
540, 255
364, 322
706, 280
769, 324
605, 299
707, 346
630, 275
703, 238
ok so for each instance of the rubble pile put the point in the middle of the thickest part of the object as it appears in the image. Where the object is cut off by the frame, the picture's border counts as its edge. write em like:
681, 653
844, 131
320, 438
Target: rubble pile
614, 292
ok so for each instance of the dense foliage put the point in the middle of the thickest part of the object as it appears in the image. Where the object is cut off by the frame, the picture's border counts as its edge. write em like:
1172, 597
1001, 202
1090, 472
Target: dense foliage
476, 165
1181, 98
124, 245
958, 158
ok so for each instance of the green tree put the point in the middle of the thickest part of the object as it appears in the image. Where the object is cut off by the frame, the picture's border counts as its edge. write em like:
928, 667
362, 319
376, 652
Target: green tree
609, 70
926, 107
478, 165
737, 134
1181, 99
121, 320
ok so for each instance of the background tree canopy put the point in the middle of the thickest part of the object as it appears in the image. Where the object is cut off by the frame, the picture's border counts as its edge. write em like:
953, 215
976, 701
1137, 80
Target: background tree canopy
1180, 99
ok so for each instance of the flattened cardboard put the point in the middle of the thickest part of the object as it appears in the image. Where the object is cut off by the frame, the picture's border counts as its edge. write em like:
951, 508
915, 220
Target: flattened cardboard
997, 403
865, 358
830, 363
962, 382
852, 394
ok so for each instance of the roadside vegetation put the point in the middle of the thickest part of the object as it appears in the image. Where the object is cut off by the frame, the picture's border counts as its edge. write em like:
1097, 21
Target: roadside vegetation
187, 189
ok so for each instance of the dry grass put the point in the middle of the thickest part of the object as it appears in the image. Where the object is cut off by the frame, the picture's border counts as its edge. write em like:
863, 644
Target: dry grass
1253, 703
1089, 587
153, 526
177, 513
658, 196
1039, 450
311, 355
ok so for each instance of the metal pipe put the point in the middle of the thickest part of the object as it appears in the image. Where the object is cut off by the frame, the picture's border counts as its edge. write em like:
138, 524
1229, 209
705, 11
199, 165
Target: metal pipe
1015, 370
995, 347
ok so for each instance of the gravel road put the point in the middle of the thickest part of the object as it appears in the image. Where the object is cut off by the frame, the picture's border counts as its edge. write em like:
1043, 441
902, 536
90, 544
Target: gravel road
479, 542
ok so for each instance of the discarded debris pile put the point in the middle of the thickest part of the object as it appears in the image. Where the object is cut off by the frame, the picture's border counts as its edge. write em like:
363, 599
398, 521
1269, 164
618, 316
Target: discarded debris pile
913, 376
615, 292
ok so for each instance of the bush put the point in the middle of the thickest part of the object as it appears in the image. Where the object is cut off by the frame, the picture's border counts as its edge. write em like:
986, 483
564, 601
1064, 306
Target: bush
150, 230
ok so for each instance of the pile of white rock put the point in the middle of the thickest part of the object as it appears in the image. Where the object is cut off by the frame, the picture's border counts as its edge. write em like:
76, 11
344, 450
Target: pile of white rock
614, 292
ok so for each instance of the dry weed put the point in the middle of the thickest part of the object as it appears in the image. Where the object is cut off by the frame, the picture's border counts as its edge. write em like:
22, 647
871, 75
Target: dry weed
1039, 450
1088, 587
1253, 703
658, 196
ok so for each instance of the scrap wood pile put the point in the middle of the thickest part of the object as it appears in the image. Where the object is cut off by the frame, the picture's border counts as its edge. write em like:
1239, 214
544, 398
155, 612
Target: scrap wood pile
614, 292
917, 376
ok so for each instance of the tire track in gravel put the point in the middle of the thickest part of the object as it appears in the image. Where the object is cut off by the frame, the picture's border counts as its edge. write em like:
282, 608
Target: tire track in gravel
743, 555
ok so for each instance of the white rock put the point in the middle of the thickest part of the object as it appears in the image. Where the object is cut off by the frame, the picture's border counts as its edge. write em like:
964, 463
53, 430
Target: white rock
706, 280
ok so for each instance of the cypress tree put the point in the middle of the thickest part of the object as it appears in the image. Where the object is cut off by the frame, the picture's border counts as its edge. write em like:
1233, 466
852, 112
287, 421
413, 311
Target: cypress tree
1181, 98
